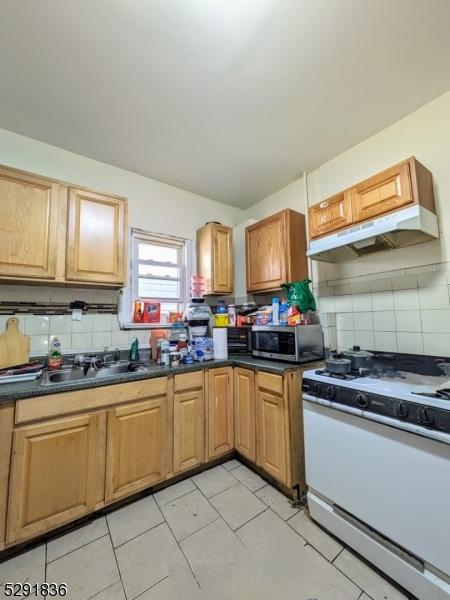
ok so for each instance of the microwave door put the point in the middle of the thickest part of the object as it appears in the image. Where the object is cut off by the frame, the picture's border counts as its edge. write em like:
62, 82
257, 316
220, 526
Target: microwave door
275, 344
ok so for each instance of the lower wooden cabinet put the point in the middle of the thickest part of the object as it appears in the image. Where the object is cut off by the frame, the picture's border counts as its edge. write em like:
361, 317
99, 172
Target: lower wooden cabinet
188, 422
272, 427
244, 413
6, 432
220, 412
57, 474
136, 445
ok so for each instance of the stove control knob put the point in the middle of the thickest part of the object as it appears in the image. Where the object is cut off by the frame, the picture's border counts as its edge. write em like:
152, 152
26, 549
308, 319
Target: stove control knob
401, 410
330, 392
362, 400
317, 388
425, 415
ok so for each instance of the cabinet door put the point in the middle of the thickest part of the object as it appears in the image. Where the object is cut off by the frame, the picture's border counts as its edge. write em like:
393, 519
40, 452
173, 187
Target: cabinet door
330, 215
272, 446
244, 412
382, 193
96, 238
188, 429
57, 474
220, 412
223, 269
136, 442
28, 226
266, 253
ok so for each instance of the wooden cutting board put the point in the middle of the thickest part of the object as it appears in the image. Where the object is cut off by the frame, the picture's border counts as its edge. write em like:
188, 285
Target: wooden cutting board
14, 346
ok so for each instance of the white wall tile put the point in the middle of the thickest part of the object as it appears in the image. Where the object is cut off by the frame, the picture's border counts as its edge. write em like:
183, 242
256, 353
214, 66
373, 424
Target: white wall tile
434, 297
406, 299
365, 339
342, 290
332, 338
115, 323
410, 343
65, 339
101, 340
22, 319
344, 321
408, 320
105, 296
360, 287
18, 293
384, 320
101, 322
385, 341
83, 326
363, 321
362, 302
37, 293
64, 295
432, 279
81, 341
404, 283
381, 285
37, 325
120, 339
345, 339
38, 344
383, 300
144, 337
343, 303
437, 344
60, 324
436, 321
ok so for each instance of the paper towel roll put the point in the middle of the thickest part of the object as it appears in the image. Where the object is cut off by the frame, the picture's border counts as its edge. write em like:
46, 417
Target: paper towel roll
220, 342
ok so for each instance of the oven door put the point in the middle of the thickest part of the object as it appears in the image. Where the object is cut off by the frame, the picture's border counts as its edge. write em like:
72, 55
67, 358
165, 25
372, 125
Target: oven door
396, 482
273, 343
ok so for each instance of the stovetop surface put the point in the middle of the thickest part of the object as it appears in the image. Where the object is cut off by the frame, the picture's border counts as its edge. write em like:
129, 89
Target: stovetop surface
399, 384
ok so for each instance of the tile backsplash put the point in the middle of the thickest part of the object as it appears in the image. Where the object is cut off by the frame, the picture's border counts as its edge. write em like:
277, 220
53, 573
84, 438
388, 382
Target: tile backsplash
397, 311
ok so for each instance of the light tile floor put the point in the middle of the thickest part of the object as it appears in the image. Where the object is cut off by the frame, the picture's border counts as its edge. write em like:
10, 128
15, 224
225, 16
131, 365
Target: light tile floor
224, 534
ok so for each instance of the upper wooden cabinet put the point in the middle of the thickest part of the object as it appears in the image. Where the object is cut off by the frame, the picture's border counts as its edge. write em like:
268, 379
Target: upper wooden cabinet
220, 411
215, 258
96, 233
407, 183
276, 251
28, 225
50, 232
331, 214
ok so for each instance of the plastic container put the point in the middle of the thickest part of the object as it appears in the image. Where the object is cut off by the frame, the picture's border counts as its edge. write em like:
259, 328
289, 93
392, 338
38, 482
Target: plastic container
221, 320
275, 311
231, 315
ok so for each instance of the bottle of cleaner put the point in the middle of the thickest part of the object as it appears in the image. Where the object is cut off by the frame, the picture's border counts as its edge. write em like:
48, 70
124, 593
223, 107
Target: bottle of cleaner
134, 349
284, 307
55, 357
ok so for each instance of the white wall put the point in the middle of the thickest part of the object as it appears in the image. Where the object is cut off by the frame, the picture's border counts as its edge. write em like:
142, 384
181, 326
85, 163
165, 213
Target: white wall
291, 196
152, 205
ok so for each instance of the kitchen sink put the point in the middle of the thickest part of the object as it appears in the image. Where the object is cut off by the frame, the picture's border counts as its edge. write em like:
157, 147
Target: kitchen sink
77, 374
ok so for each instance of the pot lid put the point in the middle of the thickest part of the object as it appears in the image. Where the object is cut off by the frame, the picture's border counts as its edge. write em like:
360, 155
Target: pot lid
356, 352
338, 360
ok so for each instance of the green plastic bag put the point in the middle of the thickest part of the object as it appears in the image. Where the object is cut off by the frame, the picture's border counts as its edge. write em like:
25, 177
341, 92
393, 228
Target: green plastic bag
298, 294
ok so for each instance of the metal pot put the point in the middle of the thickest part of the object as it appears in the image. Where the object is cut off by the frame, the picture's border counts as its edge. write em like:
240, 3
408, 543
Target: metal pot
360, 359
338, 365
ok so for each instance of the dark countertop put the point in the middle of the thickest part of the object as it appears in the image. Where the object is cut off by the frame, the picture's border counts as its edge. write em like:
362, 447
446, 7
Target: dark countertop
29, 389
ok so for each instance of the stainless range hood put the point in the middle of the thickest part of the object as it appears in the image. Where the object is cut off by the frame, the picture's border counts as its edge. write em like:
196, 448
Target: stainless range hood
412, 225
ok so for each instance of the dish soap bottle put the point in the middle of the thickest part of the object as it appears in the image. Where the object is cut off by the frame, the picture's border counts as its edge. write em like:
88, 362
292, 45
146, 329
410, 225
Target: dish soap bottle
134, 349
55, 358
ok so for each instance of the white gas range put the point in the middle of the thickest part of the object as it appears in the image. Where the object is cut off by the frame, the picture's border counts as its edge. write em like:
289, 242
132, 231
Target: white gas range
377, 453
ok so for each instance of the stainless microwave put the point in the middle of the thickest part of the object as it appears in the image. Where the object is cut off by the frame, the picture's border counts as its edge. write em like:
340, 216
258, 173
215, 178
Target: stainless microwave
297, 344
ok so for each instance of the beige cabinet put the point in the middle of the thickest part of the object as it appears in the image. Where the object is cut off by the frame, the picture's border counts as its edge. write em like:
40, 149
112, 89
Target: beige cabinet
215, 258
96, 238
57, 474
276, 251
272, 426
244, 413
220, 412
6, 432
189, 421
136, 447
28, 226
329, 215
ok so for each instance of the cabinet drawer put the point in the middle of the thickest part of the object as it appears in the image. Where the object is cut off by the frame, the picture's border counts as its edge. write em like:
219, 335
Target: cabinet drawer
269, 381
188, 381
330, 215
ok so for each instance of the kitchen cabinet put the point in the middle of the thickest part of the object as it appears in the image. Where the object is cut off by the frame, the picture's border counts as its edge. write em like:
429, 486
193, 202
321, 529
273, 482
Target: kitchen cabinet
220, 412
276, 251
189, 421
215, 258
404, 184
244, 413
28, 226
6, 432
57, 474
271, 426
96, 238
329, 215
136, 446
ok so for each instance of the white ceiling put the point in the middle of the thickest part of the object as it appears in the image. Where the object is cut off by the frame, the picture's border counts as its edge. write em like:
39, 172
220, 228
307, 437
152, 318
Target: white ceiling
231, 99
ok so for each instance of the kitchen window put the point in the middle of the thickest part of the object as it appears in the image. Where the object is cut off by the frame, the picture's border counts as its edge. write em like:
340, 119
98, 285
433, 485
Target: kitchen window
159, 271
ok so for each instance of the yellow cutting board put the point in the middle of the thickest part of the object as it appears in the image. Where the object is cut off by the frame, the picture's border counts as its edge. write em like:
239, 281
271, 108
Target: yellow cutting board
14, 346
